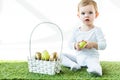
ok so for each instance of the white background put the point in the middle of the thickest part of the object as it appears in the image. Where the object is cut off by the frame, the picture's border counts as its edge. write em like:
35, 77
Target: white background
19, 17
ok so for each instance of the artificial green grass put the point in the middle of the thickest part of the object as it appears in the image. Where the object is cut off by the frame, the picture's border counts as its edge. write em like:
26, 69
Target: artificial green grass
19, 70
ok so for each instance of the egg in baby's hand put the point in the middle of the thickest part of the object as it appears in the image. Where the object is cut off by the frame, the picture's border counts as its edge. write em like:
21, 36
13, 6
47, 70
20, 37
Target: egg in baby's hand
82, 44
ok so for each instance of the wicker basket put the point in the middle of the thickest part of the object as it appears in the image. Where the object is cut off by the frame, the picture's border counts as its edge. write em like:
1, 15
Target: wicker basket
42, 66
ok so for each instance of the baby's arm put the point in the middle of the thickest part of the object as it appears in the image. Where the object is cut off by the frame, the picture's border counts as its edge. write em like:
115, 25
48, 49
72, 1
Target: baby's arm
89, 45
100, 39
72, 41
101, 42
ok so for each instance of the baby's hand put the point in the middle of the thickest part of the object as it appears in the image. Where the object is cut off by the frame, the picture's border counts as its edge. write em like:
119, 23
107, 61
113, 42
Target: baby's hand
76, 46
90, 45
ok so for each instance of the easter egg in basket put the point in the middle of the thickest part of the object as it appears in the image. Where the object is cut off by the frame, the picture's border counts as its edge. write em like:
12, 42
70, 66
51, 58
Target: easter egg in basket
38, 55
45, 55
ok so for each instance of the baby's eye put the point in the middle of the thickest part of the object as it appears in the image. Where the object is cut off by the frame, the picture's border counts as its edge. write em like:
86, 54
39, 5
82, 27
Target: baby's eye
83, 13
90, 12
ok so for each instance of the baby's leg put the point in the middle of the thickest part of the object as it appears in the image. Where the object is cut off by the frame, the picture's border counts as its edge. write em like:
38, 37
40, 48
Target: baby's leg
81, 59
68, 60
94, 66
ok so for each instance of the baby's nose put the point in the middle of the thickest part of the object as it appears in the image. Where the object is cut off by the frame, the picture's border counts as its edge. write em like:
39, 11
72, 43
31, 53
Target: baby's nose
86, 15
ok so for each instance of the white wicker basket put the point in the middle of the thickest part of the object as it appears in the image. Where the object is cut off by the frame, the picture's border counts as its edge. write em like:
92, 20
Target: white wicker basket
42, 66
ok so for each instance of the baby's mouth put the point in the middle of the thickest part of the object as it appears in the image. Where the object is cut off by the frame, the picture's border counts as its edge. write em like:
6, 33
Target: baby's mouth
87, 20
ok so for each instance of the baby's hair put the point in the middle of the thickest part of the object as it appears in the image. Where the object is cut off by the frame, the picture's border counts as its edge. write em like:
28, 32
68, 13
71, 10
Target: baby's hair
88, 2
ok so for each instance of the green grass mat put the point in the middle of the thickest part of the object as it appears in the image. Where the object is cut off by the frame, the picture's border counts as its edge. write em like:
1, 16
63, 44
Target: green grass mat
19, 70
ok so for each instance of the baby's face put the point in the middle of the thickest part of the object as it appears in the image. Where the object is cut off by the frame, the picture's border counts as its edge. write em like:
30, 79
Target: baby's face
87, 14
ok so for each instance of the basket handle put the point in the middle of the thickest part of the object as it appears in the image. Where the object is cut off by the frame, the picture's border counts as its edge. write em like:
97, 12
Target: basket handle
38, 26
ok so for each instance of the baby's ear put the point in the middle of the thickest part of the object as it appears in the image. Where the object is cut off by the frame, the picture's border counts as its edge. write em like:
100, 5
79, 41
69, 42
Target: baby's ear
97, 14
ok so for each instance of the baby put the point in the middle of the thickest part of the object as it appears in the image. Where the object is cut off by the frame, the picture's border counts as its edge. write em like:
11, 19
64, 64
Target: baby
93, 36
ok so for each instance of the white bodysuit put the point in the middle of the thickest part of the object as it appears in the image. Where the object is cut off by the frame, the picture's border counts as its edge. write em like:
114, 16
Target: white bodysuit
85, 57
